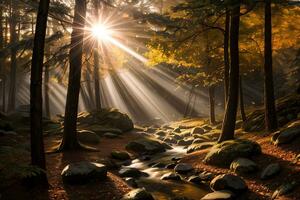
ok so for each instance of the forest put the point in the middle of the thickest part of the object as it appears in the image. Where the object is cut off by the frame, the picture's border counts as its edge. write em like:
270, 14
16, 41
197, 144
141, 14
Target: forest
149, 99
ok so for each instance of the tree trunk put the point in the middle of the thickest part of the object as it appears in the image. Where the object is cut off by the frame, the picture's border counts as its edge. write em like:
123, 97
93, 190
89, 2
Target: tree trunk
13, 61
2, 82
96, 63
232, 103
46, 91
211, 92
70, 141
226, 56
270, 110
36, 100
242, 106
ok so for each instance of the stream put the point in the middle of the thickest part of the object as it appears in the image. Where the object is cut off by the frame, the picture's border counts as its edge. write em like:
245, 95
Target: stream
166, 189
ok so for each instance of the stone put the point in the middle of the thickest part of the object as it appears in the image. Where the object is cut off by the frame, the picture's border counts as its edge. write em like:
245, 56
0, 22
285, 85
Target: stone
206, 176
111, 135
88, 137
176, 158
138, 194
287, 135
284, 189
270, 171
131, 182
197, 147
131, 172
198, 141
81, 172
170, 166
120, 155
161, 133
159, 165
185, 142
170, 140
177, 130
183, 168
171, 176
146, 146
197, 130
195, 179
228, 182
219, 195
243, 166
224, 153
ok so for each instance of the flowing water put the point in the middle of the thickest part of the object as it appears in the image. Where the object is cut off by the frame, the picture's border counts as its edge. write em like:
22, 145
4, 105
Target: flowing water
162, 189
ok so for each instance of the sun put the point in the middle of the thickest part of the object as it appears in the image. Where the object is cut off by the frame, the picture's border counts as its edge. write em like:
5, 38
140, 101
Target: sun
101, 31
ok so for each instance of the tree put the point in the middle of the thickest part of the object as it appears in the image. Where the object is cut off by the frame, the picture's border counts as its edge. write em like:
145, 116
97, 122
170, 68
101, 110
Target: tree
232, 103
96, 63
70, 140
270, 110
36, 102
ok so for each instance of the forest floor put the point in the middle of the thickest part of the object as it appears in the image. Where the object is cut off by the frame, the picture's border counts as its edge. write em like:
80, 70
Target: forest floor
114, 187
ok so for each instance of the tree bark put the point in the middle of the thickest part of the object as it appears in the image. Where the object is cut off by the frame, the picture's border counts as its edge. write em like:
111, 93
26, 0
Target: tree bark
242, 106
46, 91
2, 82
211, 92
13, 60
232, 103
70, 141
36, 101
96, 63
226, 56
270, 110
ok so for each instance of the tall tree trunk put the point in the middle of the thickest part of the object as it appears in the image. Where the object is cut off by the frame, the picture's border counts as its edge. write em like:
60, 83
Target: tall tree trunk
13, 60
242, 106
46, 91
36, 100
96, 63
70, 141
232, 103
2, 82
270, 110
226, 56
211, 92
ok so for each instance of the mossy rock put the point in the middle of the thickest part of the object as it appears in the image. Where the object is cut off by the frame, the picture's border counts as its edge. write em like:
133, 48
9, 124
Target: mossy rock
88, 137
120, 155
224, 153
146, 146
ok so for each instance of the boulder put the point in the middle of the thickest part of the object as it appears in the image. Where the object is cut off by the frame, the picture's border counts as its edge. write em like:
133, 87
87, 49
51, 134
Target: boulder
206, 176
185, 142
224, 153
111, 135
270, 171
183, 168
197, 147
284, 189
88, 137
170, 166
171, 176
219, 195
170, 140
195, 179
131, 172
243, 166
228, 182
131, 182
177, 130
146, 146
81, 172
197, 130
161, 133
138, 194
286, 135
120, 155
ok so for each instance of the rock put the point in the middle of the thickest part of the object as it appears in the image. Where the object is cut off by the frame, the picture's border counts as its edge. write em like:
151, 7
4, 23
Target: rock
207, 128
81, 172
198, 141
284, 189
170, 140
170, 166
111, 118
228, 182
219, 195
270, 171
131, 182
88, 137
177, 130
183, 168
146, 146
185, 142
243, 166
145, 158
171, 176
197, 130
131, 172
176, 158
138, 194
197, 147
224, 153
161, 133
195, 179
111, 135
206, 176
287, 135
177, 137
101, 130
159, 165
120, 155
